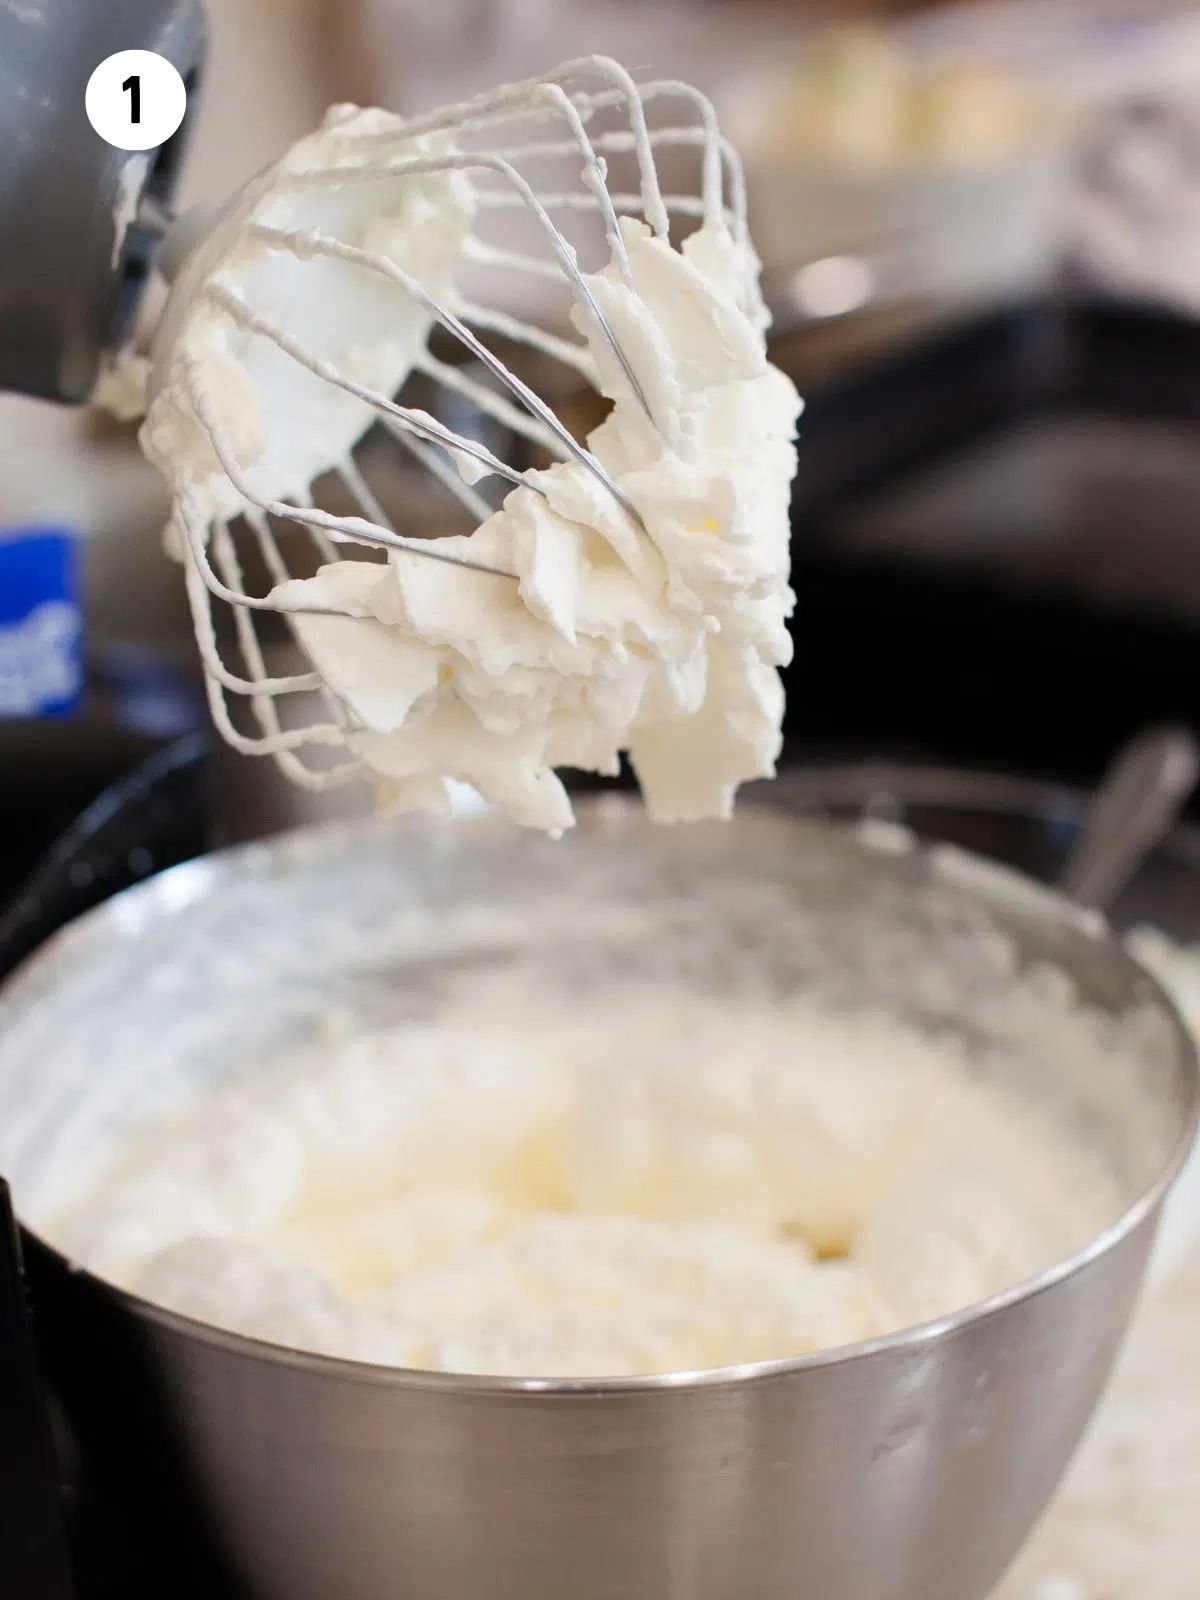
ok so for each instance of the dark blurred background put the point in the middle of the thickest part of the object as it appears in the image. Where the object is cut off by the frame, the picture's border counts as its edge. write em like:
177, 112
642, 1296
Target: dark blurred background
980, 233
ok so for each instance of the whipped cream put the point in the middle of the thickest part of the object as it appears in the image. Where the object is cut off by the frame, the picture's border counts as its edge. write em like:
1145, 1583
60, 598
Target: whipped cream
658, 633
634, 596
708, 1182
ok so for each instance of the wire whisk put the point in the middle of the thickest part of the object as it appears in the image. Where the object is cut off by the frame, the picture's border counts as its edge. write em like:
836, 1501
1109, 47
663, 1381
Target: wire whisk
397, 275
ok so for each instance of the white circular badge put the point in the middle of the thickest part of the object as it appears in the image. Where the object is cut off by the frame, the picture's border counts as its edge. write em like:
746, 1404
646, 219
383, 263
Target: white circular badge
135, 99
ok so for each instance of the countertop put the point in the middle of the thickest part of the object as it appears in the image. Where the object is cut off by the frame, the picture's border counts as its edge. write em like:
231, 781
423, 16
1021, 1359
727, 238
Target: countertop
1126, 1522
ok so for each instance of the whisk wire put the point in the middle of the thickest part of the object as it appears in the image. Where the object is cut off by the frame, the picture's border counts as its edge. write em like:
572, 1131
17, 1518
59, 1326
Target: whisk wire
354, 528
435, 463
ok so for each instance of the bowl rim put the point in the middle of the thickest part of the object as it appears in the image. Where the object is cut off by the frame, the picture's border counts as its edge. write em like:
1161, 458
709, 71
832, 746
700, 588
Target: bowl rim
192, 880
971, 788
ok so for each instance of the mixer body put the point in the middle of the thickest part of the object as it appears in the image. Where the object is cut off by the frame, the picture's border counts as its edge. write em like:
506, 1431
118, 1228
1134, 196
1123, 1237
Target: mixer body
75, 259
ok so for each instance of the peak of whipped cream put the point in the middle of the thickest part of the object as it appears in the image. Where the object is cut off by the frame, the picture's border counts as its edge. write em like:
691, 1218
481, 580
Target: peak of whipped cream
651, 621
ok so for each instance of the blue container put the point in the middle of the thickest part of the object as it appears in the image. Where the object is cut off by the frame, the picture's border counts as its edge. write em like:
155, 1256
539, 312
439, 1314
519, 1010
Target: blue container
41, 622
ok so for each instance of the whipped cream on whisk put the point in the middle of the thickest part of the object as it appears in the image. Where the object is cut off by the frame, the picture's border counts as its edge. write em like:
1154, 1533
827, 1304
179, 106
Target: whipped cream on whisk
654, 626
631, 597
231, 418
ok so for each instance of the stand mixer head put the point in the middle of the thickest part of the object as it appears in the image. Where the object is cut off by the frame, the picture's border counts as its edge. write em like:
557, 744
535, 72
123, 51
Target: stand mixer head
73, 209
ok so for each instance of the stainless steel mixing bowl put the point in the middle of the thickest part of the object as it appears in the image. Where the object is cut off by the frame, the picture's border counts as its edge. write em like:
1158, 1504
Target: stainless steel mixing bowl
910, 1468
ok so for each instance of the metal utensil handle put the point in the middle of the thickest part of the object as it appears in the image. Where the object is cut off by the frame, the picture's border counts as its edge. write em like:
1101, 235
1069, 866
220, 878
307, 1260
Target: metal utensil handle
1140, 798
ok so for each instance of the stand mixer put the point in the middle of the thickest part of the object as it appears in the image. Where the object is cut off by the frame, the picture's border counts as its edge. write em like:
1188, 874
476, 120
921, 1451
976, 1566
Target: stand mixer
785, 1476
